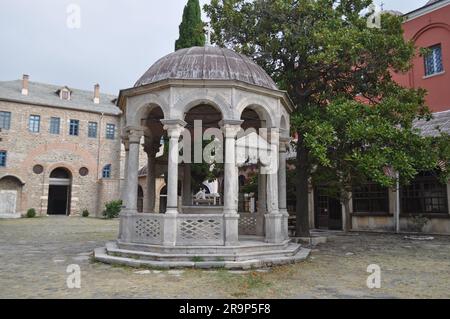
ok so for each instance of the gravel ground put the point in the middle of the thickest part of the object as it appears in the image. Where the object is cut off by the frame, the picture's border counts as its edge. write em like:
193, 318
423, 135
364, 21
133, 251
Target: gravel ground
35, 253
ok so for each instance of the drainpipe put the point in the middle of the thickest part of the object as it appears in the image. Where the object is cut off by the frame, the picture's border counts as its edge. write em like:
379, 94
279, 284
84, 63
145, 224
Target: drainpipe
98, 158
99, 145
43, 191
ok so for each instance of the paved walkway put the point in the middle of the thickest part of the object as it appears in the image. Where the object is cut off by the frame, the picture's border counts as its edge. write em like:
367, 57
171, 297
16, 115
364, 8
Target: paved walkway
35, 253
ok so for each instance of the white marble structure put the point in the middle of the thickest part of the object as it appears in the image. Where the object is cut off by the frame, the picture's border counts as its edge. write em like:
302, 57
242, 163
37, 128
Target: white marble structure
229, 83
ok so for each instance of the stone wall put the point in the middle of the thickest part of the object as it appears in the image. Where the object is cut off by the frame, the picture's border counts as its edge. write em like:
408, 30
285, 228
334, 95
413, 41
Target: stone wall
109, 190
26, 149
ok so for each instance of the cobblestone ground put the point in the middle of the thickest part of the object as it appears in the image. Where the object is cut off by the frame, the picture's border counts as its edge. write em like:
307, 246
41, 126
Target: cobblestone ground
34, 255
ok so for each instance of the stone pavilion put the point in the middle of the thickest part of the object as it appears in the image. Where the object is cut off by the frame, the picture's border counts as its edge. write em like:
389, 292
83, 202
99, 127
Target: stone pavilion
228, 92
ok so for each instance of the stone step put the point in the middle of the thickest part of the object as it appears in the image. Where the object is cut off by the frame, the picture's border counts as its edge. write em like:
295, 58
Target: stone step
243, 248
113, 250
302, 254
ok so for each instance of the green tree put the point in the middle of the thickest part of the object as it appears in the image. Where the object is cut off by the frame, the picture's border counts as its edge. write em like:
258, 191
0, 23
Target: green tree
363, 143
191, 27
325, 56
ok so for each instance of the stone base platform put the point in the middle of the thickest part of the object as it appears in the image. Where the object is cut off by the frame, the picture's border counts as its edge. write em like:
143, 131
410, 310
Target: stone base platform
250, 254
10, 216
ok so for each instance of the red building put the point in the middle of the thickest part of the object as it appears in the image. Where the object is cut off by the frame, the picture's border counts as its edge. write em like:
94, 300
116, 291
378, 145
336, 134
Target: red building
429, 27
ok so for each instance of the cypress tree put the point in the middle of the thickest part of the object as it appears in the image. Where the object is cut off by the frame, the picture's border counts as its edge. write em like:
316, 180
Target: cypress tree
191, 27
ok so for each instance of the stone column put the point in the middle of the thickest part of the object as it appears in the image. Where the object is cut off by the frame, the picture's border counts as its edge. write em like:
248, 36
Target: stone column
282, 185
273, 216
262, 203
131, 189
231, 182
132, 171
174, 129
123, 186
187, 188
151, 150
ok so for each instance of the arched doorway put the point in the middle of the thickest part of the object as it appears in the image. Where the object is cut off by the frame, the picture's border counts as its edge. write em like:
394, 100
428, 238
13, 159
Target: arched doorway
10, 196
59, 192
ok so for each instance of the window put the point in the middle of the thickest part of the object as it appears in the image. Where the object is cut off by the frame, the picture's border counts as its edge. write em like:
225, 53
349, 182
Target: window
106, 171
64, 93
110, 131
433, 61
2, 158
92, 129
34, 123
55, 123
370, 198
84, 171
5, 120
74, 127
38, 169
425, 195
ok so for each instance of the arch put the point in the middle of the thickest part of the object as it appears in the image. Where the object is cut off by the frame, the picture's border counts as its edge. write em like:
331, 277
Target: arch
14, 178
283, 123
198, 97
208, 114
261, 108
61, 173
428, 27
143, 112
33, 156
199, 102
65, 166
284, 126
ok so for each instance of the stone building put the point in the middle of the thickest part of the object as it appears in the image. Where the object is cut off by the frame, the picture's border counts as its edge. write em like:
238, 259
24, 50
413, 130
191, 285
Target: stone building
60, 149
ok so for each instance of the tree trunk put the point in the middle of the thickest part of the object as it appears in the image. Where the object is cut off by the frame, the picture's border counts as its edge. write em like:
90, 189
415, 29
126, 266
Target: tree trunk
347, 221
302, 188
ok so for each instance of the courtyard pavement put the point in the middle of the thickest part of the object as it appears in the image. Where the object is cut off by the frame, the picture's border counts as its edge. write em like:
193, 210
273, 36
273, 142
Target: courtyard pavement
35, 254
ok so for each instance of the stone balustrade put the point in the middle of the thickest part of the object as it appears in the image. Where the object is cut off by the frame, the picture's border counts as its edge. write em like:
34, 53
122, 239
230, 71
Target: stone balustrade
193, 229
251, 224
203, 230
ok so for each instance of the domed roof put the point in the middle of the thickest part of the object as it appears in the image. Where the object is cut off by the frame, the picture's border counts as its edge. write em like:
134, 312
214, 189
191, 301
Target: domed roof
207, 63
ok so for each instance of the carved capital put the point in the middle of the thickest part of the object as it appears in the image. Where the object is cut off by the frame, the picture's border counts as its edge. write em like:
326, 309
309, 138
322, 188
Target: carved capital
134, 134
230, 128
174, 128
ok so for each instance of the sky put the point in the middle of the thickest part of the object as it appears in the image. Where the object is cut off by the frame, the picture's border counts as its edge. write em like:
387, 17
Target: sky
112, 43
